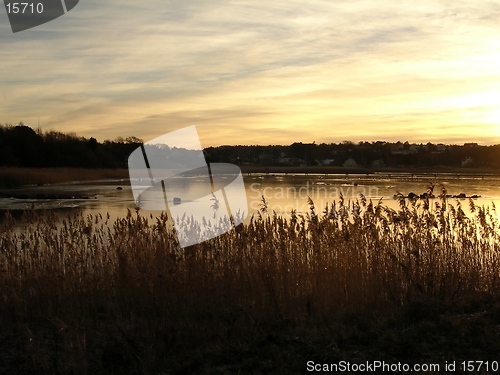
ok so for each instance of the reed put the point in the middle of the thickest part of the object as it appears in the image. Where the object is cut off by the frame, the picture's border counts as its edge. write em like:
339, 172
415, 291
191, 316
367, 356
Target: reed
85, 294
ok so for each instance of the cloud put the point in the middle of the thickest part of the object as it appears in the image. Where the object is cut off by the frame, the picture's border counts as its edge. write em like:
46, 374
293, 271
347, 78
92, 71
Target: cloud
253, 71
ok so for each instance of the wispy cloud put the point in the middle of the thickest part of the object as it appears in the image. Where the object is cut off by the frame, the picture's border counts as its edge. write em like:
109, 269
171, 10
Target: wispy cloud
258, 72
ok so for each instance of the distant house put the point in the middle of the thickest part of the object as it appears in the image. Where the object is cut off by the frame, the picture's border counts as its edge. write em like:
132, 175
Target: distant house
399, 149
379, 163
326, 161
350, 163
284, 160
441, 148
467, 162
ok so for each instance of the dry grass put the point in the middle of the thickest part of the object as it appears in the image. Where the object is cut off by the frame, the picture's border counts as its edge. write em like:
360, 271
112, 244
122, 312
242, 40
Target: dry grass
85, 295
14, 176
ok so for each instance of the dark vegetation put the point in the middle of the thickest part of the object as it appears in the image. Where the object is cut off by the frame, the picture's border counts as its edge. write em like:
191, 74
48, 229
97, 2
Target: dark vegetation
21, 146
357, 282
375, 155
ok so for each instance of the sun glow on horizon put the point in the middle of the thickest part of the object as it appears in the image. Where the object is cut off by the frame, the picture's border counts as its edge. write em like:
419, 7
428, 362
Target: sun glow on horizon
252, 72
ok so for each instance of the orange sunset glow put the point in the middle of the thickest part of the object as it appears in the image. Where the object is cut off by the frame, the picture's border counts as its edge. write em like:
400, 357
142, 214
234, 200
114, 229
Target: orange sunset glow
253, 72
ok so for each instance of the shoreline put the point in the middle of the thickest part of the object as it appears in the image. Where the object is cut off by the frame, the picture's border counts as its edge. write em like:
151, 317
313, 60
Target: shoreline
248, 169
11, 177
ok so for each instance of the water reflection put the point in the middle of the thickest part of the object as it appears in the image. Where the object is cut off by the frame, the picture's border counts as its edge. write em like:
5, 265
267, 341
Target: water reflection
283, 193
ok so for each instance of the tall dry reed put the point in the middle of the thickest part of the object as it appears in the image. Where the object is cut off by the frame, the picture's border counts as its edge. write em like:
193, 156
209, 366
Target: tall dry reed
130, 278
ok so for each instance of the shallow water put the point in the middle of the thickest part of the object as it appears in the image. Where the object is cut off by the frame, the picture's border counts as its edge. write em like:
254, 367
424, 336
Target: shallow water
283, 193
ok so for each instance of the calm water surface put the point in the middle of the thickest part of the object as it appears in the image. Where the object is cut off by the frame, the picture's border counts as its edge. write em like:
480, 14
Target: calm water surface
283, 193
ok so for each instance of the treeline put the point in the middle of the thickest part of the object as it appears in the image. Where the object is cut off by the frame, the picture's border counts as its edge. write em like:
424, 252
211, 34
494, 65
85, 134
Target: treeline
364, 154
21, 146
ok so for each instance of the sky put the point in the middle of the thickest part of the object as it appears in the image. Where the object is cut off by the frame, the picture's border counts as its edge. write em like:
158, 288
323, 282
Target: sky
260, 72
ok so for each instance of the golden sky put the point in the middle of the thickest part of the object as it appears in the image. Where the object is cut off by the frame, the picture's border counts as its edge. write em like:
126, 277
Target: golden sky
260, 72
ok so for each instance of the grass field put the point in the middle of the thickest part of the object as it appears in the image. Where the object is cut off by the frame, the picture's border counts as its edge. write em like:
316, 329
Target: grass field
357, 281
